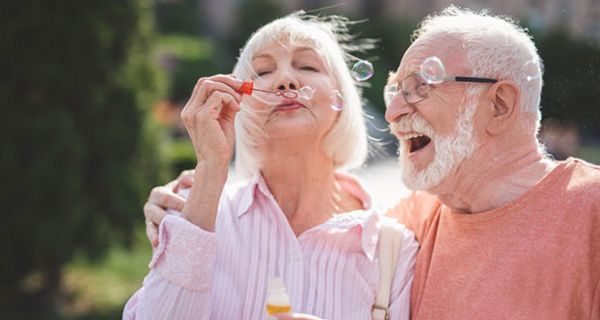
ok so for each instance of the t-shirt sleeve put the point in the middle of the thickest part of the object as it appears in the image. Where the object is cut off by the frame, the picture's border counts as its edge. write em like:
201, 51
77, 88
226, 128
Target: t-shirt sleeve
416, 212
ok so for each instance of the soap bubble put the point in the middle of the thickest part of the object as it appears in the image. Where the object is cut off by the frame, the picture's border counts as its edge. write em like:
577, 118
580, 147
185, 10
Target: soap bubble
534, 68
306, 93
433, 71
337, 101
362, 70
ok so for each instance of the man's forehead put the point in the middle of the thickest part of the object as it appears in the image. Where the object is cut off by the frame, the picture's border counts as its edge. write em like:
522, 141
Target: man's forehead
448, 50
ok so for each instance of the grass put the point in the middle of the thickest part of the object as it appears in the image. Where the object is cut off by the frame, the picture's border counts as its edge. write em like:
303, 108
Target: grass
99, 290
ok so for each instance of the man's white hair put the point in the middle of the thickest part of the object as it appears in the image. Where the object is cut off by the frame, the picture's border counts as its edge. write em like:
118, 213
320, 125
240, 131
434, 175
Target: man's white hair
346, 143
496, 48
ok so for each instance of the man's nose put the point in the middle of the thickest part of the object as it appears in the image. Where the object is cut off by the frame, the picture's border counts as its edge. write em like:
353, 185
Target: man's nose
398, 108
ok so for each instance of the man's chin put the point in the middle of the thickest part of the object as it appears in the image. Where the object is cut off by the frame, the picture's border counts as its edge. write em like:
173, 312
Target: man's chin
411, 177
418, 179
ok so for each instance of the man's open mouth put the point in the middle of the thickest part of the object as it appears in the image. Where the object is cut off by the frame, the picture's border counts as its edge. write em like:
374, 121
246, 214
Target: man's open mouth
417, 143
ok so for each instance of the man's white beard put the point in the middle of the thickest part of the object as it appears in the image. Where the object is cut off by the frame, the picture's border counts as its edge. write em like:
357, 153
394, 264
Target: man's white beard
449, 151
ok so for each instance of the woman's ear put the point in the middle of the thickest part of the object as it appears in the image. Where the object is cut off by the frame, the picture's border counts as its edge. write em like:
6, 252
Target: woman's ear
505, 99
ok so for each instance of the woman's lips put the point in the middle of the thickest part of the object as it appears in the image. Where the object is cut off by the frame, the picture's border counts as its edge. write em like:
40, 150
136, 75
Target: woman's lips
289, 105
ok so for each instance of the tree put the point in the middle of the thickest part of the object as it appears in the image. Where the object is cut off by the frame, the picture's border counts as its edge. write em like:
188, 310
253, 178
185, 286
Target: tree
570, 79
78, 156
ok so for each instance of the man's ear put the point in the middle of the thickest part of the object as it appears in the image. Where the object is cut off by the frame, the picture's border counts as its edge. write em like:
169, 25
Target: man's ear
505, 99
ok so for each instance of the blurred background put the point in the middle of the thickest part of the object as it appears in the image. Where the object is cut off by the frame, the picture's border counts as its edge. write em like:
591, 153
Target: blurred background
91, 93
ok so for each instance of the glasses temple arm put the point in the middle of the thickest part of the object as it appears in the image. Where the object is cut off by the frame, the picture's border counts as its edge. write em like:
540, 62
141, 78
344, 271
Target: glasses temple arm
472, 79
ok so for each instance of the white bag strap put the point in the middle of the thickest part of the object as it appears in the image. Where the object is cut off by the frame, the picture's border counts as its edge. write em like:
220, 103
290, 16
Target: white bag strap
390, 239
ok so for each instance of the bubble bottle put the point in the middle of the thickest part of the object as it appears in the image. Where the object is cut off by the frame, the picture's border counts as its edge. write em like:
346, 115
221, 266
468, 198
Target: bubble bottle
277, 299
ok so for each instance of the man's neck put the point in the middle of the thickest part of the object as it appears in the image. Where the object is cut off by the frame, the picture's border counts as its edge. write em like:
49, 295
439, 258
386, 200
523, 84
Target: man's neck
489, 179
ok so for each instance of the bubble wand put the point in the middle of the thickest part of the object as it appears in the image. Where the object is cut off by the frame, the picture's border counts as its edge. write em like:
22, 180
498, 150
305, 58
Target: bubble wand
305, 92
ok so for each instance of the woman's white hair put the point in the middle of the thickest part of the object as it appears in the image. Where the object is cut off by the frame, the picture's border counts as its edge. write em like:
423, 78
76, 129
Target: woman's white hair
346, 143
496, 48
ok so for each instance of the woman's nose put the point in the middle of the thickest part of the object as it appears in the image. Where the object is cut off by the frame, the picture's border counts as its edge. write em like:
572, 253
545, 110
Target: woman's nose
290, 85
286, 81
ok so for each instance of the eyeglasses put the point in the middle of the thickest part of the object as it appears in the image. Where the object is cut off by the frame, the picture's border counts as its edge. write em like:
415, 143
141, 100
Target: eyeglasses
415, 88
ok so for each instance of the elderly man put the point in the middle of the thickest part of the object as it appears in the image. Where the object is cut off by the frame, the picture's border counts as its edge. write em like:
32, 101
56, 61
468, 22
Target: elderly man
505, 232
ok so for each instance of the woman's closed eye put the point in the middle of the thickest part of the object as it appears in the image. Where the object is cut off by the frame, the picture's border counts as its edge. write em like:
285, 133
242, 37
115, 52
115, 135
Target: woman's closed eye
309, 68
262, 73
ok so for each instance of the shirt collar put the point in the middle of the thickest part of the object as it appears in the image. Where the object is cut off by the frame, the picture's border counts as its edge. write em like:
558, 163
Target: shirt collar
257, 184
247, 192
367, 220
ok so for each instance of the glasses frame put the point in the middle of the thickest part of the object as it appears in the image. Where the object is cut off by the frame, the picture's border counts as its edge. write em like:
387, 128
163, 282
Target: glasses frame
446, 79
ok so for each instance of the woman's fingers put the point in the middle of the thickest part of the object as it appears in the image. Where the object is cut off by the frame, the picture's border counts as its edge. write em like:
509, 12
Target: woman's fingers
210, 86
206, 86
220, 104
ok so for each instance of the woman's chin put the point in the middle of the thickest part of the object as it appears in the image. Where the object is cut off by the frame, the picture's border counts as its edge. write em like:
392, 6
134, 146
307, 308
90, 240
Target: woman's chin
288, 130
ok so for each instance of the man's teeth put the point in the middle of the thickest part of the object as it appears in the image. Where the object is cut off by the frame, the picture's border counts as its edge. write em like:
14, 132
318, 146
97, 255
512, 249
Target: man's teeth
412, 135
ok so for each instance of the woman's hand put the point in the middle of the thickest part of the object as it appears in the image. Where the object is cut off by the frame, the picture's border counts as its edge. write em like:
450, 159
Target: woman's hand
209, 115
208, 118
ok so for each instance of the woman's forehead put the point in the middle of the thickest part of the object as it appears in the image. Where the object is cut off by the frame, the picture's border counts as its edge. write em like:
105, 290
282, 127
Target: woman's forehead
286, 46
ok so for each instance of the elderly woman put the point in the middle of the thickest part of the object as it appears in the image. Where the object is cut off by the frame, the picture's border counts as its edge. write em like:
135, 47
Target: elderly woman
297, 217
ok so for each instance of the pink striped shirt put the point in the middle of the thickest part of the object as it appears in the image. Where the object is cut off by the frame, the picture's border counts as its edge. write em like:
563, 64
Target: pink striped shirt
330, 271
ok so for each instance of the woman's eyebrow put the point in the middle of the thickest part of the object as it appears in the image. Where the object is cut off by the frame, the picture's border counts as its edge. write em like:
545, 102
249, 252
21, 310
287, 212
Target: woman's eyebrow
262, 56
318, 58
302, 49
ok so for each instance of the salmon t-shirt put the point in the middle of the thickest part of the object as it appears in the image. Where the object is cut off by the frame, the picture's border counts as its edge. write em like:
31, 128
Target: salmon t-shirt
535, 258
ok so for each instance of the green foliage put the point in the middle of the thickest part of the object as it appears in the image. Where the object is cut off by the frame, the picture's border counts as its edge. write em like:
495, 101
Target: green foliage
178, 16
78, 154
393, 38
250, 15
590, 153
181, 155
189, 58
571, 79
97, 286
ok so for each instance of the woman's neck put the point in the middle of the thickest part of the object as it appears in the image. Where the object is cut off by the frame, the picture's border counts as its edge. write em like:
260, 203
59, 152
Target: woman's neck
304, 185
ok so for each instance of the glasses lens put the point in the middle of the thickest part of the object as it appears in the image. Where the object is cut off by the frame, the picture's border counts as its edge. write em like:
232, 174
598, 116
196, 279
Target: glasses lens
415, 88
389, 92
